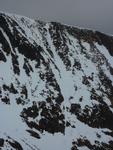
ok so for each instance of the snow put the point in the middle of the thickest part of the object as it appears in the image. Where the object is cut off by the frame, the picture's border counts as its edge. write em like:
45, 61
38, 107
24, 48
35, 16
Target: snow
11, 122
106, 53
7, 38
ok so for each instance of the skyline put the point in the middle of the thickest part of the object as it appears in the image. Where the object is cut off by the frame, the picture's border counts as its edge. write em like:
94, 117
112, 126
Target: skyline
96, 15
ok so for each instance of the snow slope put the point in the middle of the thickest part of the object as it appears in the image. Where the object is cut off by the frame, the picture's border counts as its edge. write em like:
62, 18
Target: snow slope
56, 86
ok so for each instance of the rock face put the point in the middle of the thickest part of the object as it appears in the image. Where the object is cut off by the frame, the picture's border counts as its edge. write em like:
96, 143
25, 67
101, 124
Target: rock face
56, 86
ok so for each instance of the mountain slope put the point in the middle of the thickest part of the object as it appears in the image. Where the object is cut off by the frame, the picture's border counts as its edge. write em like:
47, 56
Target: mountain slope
56, 86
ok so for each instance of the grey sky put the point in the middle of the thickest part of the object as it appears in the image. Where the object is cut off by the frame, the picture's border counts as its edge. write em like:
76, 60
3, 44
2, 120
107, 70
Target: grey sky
95, 14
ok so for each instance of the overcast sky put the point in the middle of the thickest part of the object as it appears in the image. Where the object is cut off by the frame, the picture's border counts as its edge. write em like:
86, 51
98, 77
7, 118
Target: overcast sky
95, 14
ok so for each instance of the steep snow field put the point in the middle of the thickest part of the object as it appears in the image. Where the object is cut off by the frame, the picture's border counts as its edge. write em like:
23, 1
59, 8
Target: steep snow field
56, 86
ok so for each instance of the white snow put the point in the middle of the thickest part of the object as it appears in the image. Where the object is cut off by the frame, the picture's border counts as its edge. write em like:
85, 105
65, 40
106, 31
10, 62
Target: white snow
11, 122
